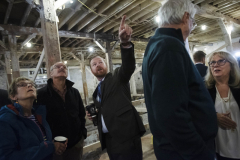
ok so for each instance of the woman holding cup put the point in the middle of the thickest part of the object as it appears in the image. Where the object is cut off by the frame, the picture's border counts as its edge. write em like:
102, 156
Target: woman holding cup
223, 83
24, 131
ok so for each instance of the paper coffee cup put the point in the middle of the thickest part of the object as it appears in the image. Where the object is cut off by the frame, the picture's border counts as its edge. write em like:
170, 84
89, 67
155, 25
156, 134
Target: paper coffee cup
60, 139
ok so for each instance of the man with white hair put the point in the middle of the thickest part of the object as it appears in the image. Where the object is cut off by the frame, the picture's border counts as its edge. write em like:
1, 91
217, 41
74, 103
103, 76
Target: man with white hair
181, 114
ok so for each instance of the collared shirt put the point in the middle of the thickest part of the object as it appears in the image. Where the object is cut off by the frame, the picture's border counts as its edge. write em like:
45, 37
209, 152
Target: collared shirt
104, 128
199, 63
61, 94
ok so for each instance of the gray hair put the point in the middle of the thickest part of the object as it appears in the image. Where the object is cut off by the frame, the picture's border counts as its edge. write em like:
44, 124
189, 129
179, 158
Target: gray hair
173, 10
234, 79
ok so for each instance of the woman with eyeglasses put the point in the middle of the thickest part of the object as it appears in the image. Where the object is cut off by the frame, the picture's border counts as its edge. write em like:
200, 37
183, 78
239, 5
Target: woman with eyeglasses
24, 131
223, 83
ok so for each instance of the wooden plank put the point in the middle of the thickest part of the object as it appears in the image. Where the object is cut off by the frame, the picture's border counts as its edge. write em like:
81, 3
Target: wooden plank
10, 4
109, 53
18, 30
84, 80
38, 66
12, 41
227, 35
26, 14
50, 34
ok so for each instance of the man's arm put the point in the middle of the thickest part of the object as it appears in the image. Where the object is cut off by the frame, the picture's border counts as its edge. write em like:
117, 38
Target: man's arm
127, 52
170, 98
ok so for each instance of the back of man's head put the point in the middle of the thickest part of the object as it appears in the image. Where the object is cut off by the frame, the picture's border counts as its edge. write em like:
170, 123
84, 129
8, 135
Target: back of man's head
199, 56
173, 10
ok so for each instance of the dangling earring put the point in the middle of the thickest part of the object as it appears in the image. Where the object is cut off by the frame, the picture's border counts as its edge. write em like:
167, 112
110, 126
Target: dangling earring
16, 101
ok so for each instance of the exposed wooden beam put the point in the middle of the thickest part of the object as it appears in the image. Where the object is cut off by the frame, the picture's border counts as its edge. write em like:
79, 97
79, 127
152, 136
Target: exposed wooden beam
26, 14
69, 15
50, 34
208, 12
37, 22
18, 30
10, 4
12, 40
109, 53
38, 66
64, 41
100, 46
67, 44
3, 45
226, 34
7, 57
84, 80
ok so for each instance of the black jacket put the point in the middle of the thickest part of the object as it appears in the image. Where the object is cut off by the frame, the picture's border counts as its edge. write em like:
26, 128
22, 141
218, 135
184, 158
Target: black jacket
120, 117
235, 93
4, 100
64, 118
202, 69
181, 114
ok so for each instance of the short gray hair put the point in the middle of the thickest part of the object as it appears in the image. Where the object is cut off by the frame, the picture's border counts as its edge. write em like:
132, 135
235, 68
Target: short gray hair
234, 79
173, 10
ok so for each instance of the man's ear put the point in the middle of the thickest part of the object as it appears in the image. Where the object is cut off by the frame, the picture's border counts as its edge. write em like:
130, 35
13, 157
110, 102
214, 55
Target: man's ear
186, 18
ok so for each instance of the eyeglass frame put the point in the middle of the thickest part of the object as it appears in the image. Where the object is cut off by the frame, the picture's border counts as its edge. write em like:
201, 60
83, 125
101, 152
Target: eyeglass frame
26, 84
217, 62
56, 67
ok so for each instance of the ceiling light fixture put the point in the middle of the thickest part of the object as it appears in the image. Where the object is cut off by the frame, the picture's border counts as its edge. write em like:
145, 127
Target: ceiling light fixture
29, 45
65, 62
157, 19
204, 27
90, 49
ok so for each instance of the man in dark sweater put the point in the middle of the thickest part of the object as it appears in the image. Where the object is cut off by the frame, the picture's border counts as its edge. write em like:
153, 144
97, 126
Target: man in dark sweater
181, 114
199, 59
65, 111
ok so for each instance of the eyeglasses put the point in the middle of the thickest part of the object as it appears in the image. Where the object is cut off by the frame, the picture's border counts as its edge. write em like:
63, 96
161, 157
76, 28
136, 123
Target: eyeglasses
59, 66
194, 23
24, 84
220, 62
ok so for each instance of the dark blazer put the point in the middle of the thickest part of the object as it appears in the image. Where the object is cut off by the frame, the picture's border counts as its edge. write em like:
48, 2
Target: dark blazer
64, 118
202, 69
181, 114
4, 100
235, 93
120, 117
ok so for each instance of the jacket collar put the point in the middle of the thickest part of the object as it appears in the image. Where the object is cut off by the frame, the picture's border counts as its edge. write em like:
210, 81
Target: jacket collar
177, 33
16, 108
69, 84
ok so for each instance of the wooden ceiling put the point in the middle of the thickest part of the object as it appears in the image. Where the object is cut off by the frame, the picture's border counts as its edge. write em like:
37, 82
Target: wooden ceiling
103, 17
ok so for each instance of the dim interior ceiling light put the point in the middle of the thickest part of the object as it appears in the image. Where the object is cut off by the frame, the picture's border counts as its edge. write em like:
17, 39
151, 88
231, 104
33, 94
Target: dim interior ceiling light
157, 19
204, 27
29, 44
90, 49
59, 3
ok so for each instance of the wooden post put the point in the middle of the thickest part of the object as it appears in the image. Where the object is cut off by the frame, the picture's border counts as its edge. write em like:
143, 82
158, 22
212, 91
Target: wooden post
109, 53
133, 85
50, 34
84, 80
8, 66
38, 66
12, 41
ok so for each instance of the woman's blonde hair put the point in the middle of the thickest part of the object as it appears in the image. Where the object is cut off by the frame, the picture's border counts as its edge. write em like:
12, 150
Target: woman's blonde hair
234, 79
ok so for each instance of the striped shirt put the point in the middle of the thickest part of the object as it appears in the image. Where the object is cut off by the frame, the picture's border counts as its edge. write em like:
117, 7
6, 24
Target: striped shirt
32, 117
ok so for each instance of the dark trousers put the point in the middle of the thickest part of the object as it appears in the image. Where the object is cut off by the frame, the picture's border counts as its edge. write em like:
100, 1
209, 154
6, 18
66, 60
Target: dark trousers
130, 150
224, 158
